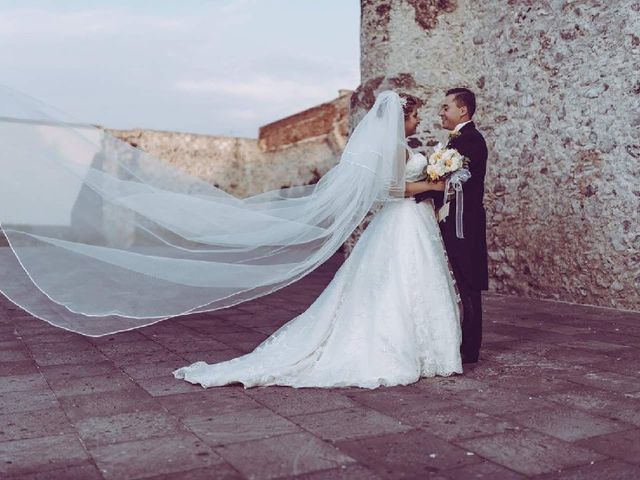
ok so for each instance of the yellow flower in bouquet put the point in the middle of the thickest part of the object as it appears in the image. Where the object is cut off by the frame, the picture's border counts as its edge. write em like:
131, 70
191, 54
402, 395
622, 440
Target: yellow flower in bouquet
444, 161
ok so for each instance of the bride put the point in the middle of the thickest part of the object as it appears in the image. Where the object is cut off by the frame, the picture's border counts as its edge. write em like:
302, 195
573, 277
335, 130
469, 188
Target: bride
388, 317
103, 238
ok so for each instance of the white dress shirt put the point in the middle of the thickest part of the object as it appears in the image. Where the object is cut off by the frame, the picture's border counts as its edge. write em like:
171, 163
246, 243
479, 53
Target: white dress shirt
460, 125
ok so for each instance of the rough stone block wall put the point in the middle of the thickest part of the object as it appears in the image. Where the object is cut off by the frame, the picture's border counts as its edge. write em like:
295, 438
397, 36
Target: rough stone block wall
281, 157
559, 105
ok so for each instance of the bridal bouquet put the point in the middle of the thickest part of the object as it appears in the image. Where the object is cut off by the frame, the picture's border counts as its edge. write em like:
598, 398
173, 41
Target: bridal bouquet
449, 165
443, 162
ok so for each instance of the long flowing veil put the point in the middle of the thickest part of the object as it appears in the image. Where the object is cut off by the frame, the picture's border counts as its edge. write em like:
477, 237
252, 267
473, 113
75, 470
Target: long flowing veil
103, 237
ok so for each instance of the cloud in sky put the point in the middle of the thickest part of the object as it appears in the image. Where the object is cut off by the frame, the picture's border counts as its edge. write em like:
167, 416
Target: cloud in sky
217, 66
262, 88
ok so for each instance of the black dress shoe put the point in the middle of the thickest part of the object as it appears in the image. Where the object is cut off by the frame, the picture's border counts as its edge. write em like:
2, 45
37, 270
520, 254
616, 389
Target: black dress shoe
468, 359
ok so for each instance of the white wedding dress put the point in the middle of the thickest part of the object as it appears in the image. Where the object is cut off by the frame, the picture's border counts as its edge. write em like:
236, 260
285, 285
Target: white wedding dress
389, 317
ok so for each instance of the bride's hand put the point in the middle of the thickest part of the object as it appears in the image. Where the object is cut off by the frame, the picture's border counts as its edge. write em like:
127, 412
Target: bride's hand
438, 186
414, 188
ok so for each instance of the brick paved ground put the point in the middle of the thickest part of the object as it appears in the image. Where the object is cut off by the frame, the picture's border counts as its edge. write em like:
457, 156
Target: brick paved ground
556, 395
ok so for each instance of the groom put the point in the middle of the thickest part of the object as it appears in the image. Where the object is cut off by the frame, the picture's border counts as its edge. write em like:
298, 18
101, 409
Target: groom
468, 256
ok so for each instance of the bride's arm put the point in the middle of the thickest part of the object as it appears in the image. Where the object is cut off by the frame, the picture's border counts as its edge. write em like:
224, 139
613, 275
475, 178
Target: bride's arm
414, 188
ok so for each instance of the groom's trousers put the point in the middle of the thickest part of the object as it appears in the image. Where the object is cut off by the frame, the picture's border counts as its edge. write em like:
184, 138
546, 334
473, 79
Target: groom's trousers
471, 320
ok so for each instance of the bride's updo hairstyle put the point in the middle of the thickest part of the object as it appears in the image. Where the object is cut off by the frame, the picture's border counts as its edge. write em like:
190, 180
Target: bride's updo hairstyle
409, 104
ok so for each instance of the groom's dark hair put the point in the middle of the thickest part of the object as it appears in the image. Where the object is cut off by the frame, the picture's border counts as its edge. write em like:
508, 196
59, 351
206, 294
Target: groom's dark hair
464, 96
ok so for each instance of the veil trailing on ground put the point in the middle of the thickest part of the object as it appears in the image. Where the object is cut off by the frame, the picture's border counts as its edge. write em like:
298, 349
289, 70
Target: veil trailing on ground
103, 237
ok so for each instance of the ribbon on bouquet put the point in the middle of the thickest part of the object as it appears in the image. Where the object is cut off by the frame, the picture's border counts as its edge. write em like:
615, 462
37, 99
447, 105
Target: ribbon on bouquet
456, 180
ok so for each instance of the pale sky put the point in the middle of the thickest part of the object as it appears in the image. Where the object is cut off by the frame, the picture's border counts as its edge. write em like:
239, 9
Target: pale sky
220, 67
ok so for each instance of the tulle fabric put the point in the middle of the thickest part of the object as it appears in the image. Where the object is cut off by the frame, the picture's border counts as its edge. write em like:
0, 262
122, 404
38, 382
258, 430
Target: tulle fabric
105, 238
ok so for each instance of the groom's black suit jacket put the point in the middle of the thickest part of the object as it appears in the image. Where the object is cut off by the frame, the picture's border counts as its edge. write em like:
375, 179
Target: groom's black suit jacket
468, 256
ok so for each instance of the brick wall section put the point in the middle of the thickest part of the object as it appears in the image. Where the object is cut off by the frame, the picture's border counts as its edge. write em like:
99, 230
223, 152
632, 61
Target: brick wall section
319, 121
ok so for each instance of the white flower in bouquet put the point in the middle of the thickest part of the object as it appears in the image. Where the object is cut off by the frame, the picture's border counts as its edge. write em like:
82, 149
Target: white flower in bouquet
436, 170
453, 162
444, 161
436, 156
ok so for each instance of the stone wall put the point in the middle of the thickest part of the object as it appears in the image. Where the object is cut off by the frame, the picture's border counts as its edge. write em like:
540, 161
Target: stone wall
282, 155
558, 93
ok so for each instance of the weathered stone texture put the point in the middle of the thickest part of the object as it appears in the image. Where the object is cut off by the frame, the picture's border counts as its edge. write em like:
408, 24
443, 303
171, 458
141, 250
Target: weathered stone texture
559, 105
